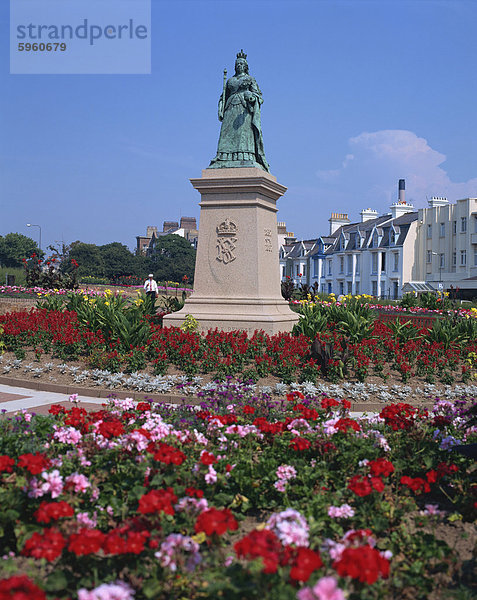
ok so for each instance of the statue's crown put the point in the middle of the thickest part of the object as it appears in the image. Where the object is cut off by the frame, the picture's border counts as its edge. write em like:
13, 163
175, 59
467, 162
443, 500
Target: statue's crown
242, 54
227, 227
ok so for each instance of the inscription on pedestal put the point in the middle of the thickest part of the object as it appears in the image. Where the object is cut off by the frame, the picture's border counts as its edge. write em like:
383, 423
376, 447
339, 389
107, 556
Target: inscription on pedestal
226, 240
268, 240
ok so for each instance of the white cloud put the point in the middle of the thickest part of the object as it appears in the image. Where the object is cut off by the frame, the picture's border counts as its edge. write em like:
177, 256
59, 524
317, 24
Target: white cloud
369, 174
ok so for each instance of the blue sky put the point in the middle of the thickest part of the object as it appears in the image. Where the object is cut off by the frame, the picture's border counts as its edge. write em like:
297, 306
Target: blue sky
357, 94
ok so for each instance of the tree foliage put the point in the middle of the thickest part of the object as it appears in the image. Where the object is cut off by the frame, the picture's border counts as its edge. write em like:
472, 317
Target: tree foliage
14, 247
172, 258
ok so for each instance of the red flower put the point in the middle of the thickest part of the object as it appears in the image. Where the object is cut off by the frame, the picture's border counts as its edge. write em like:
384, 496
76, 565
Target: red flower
377, 483
157, 501
52, 511
86, 541
381, 466
416, 484
299, 443
194, 492
48, 545
361, 486
345, 423
248, 410
109, 429
365, 564
215, 521
20, 587
6, 464
261, 544
35, 463
143, 406
327, 403
207, 458
168, 454
305, 563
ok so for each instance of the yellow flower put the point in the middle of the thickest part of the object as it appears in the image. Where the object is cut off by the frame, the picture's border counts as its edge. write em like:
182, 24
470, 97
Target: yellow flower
106, 303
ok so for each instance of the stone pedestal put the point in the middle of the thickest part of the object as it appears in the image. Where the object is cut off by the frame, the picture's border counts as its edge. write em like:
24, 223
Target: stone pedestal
237, 279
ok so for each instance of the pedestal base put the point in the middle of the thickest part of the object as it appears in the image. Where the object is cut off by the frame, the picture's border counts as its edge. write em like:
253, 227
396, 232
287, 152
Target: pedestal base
237, 273
272, 316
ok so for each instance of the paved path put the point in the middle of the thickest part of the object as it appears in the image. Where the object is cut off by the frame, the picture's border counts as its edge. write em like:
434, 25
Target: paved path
14, 398
17, 398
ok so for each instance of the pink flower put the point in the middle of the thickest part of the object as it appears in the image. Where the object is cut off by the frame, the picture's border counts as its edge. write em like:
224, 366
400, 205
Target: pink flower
345, 511
290, 527
53, 483
84, 519
78, 482
211, 476
74, 398
108, 591
326, 588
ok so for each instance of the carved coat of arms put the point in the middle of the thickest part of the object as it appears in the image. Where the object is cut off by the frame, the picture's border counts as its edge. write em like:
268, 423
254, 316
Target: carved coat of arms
226, 240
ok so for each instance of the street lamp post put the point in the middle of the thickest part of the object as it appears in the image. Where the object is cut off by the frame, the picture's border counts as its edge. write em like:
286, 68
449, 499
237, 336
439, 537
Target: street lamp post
32, 225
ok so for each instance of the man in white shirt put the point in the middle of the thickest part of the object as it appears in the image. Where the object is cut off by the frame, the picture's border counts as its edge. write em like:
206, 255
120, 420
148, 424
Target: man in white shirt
151, 288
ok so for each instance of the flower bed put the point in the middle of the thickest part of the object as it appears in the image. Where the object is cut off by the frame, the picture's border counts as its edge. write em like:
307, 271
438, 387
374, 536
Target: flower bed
100, 333
244, 497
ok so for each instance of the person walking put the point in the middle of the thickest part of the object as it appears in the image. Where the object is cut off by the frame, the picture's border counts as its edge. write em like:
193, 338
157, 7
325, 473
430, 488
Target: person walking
151, 290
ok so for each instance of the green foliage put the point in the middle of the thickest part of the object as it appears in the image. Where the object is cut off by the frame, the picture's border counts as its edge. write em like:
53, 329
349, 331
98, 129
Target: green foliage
118, 319
46, 274
14, 247
88, 257
190, 324
171, 258
313, 318
17, 272
117, 260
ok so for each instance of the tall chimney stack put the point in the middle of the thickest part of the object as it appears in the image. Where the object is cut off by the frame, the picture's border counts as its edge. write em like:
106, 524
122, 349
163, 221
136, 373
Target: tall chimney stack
402, 191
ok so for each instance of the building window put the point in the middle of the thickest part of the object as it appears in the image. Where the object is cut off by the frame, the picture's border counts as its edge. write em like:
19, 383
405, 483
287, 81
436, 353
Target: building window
356, 287
392, 237
383, 262
454, 259
329, 288
475, 225
341, 264
350, 287
315, 268
357, 264
395, 289
297, 270
341, 288
329, 269
442, 261
463, 225
429, 231
454, 227
283, 271
463, 258
374, 288
374, 267
475, 257
442, 230
350, 265
396, 262
429, 257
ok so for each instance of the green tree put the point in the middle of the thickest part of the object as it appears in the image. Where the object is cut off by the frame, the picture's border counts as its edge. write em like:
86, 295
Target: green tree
117, 260
14, 247
172, 257
89, 259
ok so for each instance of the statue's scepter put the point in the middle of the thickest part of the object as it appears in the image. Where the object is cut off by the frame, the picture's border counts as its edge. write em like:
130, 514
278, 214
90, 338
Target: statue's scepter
222, 108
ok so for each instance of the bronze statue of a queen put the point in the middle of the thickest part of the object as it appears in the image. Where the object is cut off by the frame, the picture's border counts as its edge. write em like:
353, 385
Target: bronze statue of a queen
240, 141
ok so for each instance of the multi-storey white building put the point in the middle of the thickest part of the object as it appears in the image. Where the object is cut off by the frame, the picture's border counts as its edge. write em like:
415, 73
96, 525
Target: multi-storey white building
446, 245
373, 256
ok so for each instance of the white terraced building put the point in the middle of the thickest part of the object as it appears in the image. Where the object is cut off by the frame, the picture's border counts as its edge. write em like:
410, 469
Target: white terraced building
385, 256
